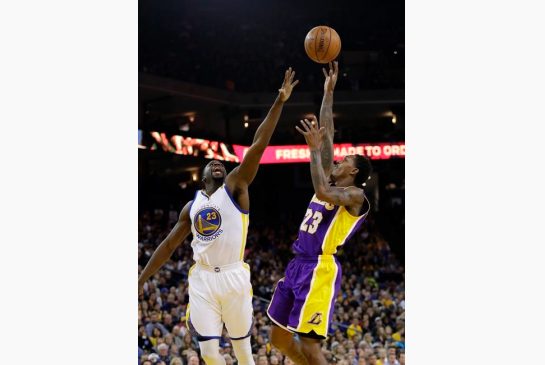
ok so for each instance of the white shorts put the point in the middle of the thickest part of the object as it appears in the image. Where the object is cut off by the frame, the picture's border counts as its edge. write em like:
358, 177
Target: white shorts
217, 296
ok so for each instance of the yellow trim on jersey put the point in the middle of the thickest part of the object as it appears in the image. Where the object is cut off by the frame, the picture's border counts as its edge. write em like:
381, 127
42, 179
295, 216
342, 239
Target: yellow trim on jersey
187, 317
315, 312
187, 311
247, 267
191, 269
245, 219
340, 227
327, 205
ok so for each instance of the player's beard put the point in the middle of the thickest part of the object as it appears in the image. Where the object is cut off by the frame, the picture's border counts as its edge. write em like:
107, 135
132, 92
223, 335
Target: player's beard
218, 179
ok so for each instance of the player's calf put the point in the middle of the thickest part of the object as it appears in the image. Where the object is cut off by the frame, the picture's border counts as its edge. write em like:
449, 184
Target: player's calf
312, 348
284, 341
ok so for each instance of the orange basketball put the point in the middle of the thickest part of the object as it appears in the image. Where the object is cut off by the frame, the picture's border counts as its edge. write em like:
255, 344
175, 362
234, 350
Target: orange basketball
322, 44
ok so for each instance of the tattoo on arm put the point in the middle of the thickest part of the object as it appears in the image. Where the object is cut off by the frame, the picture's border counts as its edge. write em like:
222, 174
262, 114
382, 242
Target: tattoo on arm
319, 180
326, 120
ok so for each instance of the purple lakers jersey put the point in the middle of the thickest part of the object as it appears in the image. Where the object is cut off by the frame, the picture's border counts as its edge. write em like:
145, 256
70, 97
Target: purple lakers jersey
326, 227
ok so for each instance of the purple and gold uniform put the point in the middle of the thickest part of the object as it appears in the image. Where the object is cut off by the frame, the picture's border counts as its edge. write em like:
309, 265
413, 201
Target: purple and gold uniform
304, 299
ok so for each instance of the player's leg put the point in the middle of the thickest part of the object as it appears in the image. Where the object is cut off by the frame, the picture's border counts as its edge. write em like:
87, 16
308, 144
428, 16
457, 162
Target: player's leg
317, 284
312, 348
203, 317
237, 311
279, 309
243, 351
210, 352
284, 340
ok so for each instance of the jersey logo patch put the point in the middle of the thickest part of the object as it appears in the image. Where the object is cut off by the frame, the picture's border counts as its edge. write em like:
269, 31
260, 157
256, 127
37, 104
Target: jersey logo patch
207, 221
316, 318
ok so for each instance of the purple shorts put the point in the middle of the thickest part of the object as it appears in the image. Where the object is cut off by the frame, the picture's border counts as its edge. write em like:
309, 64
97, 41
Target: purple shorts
304, 300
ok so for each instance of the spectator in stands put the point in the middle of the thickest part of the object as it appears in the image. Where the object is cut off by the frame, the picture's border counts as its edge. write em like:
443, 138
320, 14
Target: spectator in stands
353, 328
156, 337
193, 360
365, 295
154, 322
174, 351
144, 341
391, 360
164, 355
178, 337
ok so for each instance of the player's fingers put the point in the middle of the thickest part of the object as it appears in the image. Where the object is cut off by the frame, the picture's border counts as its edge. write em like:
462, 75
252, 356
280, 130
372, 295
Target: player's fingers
292, 76
325, 72
295, 83
309, 124
305, 126
300, 130
336, 64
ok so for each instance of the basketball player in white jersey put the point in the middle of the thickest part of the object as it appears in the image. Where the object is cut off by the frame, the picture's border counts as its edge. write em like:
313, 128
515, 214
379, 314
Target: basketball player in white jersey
220, 291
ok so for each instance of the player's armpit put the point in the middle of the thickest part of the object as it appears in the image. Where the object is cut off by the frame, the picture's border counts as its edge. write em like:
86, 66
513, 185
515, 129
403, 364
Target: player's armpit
245, 173
341, 196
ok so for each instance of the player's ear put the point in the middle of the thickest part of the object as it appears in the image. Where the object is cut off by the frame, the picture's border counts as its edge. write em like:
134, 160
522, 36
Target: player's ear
354, 171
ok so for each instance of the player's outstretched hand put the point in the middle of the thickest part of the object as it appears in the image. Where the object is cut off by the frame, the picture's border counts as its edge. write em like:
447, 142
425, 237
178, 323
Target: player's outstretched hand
313, 135
331, 76
287, 85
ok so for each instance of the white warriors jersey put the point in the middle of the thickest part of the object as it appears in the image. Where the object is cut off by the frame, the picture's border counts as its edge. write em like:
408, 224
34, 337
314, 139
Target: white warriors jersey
219, 228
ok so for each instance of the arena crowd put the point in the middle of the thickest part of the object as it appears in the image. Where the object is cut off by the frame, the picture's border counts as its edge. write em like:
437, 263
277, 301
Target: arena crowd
369, 320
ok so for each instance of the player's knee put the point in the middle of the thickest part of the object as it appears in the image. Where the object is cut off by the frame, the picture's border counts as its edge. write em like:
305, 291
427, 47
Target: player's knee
312, 349
243, 351
211, 355
281, 339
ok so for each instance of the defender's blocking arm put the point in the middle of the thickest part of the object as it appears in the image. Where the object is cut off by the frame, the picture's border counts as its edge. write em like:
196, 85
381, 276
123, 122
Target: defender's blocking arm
245, 173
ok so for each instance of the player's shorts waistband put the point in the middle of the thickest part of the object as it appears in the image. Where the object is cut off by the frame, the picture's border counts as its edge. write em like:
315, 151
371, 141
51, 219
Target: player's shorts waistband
228, 267
315, 258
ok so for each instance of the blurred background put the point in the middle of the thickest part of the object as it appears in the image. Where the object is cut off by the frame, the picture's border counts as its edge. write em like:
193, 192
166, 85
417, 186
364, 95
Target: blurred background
208, 74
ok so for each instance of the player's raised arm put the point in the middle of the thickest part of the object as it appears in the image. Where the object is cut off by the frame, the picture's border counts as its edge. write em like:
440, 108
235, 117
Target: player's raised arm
245, 173
326, 116
161, 255
338, 196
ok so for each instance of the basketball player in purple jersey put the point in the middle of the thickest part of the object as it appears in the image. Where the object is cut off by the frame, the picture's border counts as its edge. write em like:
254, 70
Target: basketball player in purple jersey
304, 300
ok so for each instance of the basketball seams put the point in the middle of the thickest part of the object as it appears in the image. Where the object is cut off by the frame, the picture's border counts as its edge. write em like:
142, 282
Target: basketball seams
314, 42
316, 48
329, 44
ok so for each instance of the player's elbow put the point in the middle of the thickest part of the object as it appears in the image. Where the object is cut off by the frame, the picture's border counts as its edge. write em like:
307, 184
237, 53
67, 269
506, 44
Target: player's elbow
259, 147
322, 195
